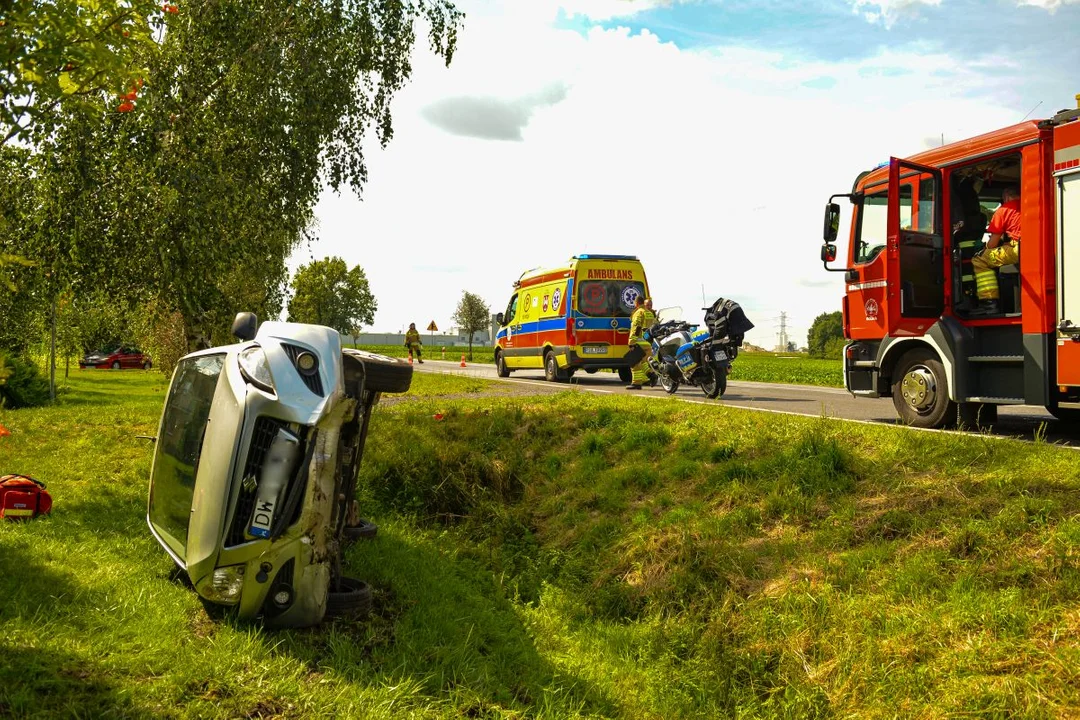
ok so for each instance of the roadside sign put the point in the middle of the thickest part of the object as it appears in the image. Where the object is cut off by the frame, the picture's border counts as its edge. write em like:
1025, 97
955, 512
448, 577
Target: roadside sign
432, 327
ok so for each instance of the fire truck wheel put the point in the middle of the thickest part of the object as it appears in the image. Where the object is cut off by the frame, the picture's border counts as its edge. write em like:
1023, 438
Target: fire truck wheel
921, 391
353, 599
383, 374
500, 366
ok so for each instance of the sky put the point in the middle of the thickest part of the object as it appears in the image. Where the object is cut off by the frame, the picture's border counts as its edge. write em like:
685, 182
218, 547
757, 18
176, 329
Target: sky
703, 136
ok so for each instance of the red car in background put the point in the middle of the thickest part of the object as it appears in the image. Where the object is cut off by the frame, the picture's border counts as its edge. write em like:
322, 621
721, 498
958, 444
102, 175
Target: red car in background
117, 358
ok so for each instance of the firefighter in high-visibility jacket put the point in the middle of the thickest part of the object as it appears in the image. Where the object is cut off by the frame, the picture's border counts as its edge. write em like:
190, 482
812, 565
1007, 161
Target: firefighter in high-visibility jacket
1002, 249
412, 343
642, 319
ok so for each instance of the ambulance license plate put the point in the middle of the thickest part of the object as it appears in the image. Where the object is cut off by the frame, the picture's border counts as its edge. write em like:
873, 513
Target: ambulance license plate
594, 350
719, 355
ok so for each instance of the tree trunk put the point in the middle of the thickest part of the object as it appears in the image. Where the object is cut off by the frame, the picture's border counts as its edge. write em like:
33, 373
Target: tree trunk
52, 354
470, 347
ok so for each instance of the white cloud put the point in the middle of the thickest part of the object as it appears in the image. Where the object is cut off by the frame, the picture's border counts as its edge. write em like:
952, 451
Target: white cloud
712, 166
888, 12
1049, 5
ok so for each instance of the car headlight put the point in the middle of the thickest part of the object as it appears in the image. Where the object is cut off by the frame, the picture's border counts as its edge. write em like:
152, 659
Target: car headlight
255, 368
225, 585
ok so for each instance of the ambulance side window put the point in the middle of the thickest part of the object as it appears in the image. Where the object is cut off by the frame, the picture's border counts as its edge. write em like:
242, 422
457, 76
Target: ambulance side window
873, 218
511, 311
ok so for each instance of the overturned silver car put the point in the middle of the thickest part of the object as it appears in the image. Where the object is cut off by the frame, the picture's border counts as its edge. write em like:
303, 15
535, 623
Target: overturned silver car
254, 472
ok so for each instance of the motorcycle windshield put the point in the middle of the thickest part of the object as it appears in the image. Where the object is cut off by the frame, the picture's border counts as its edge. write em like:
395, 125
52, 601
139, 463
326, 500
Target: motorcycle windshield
669, 314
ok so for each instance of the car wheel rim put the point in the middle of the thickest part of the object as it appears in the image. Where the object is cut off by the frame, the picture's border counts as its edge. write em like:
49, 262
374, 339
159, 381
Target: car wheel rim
919, 389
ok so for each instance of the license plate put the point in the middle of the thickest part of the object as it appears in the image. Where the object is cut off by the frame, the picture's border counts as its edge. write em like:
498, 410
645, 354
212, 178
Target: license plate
719, 355
594, 350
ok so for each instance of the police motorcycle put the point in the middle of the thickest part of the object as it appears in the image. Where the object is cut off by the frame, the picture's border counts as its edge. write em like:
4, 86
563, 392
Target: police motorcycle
685, 354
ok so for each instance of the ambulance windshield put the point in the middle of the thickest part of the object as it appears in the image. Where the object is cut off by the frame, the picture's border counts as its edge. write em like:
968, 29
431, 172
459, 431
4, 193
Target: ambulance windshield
608, 298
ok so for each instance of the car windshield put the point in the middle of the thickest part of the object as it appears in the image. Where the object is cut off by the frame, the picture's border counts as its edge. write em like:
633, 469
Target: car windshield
183, 427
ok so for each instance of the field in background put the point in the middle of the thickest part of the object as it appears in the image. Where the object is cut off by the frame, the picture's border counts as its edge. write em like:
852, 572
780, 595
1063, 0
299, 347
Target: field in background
755, 367
570, 556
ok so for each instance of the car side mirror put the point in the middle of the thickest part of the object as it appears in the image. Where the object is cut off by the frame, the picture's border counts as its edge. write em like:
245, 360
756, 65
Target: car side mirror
828, 253
832, 222
499, 318
244, 325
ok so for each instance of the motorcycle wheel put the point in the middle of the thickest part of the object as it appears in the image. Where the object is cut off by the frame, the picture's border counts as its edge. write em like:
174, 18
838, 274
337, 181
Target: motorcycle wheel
669, 384
710, 383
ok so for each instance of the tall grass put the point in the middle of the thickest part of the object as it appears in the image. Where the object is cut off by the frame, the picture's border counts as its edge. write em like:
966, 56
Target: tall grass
571, 556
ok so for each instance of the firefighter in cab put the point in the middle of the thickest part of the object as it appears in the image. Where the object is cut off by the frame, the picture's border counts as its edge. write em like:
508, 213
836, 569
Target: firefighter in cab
642, 319
413, 344
1002, 249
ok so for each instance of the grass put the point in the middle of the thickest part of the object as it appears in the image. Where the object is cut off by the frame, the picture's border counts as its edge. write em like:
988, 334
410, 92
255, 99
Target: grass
756, 367
571, 556
481, 353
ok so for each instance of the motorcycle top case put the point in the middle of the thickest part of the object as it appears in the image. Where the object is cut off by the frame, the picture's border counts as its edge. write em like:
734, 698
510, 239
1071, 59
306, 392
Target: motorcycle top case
23, 497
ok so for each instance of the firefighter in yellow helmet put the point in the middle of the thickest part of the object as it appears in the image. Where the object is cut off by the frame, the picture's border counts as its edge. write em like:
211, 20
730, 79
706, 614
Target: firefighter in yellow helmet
642, 319
412, 342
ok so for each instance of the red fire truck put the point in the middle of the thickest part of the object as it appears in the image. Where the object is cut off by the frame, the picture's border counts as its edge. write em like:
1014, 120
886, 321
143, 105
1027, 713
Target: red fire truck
910, 300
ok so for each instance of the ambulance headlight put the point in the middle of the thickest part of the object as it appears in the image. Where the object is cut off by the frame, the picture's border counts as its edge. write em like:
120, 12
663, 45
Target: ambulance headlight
255, 368
225, 585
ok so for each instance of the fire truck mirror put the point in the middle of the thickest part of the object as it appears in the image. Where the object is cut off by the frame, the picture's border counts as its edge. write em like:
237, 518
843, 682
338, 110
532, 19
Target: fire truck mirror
828, 253
832, 222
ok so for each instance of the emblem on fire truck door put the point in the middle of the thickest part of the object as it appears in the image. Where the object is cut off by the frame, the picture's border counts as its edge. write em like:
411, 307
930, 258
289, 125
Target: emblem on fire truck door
871, 309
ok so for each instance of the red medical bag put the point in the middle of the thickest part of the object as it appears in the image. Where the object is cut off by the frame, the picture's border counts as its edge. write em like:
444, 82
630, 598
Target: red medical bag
22, 497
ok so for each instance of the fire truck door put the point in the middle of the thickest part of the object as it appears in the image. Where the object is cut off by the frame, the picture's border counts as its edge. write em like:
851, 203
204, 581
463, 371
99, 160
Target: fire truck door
1068, 360
915, 258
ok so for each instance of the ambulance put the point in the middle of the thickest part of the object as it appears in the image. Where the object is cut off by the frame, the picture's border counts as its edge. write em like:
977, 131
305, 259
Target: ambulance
569, 318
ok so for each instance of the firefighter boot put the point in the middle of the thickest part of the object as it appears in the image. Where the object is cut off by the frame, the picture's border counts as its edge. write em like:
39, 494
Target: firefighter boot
986, 308
633, 386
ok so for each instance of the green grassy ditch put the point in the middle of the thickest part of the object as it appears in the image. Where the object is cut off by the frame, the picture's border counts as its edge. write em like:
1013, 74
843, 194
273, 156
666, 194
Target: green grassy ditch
572, 556
754, 367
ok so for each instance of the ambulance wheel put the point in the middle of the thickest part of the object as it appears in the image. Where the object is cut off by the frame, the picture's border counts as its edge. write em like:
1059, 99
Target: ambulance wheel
626, 374
383, 374
500, 366
552, 373
352, 599
920, 390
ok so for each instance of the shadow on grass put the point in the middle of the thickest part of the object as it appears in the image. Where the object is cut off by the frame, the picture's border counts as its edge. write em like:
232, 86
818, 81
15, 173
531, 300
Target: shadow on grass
441, 628
40, 683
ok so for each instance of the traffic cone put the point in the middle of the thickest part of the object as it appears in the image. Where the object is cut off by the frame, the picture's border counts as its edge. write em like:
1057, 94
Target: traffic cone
462, 361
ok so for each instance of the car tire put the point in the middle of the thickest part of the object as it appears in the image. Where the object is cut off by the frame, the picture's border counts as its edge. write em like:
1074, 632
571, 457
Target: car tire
147, 365
920, 390
500, 366
115, 365
363, 530
352, 599
626, 374
382, 373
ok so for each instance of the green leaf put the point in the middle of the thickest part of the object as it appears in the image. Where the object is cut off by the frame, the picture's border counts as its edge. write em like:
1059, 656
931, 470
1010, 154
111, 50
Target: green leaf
67, 85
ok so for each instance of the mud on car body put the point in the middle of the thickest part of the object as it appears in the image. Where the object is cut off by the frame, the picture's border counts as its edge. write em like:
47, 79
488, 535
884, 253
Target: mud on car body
255, 468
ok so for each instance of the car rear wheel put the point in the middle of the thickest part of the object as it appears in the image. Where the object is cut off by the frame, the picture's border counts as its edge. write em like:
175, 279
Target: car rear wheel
363, 530
351, 599
115, 365
382, 373
147, 365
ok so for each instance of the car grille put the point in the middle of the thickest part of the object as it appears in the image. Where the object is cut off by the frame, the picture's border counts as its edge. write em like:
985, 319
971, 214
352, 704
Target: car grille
313, 382
262, 436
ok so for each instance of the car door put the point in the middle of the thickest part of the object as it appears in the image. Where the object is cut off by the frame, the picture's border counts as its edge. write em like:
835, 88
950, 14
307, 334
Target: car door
915, 258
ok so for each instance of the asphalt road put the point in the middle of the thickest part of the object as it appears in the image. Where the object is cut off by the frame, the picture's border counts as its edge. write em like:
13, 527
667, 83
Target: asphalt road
1021, 421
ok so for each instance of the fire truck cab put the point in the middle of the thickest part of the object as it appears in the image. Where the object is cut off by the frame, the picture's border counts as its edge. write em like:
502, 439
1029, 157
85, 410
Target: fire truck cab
910, 291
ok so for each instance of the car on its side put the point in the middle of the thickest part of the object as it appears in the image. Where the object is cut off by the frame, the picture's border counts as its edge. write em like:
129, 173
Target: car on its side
117, 358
